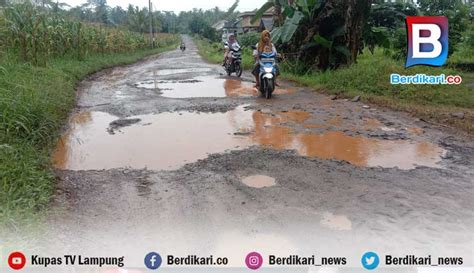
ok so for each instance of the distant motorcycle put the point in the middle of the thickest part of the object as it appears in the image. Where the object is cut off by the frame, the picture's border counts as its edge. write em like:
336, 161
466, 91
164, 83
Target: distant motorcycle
182, 47
267, 74
234, 65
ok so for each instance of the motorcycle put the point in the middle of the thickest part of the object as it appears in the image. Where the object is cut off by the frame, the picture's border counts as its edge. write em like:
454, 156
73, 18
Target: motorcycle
235, 63
267, 74
182, 47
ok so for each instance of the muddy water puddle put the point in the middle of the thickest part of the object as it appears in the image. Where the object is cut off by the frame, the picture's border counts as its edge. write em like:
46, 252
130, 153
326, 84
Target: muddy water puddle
357, 150
166, 72
259, 181
169, 140
161, 141
206, 87
336, 222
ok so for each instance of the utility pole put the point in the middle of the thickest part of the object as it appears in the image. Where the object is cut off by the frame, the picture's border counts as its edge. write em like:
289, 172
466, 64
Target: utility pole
152, 34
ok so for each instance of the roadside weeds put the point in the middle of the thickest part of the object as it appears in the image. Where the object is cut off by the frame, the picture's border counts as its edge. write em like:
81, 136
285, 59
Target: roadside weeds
445, 105
36, 103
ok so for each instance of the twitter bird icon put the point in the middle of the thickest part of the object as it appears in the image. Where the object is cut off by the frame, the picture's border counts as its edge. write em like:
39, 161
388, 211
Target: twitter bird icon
370, 260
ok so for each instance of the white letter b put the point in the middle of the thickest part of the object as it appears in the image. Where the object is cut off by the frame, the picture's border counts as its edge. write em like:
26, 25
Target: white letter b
435, 34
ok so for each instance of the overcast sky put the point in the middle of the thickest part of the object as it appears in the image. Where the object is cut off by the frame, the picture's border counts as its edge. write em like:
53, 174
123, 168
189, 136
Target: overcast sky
179, 5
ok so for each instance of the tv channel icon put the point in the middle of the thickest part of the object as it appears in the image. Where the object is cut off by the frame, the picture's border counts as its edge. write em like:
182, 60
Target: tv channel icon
427, 40
254, 260
16, 260
370, 260
152, 260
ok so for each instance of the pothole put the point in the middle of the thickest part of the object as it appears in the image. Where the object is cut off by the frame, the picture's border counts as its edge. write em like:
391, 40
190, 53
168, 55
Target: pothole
206, 86
259, 181
296, 115
169, 140
337, 121
165, 72
357, 150
336, 222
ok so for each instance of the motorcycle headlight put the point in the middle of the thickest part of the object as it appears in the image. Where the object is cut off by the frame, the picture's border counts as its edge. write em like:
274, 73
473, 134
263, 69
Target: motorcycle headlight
268, 69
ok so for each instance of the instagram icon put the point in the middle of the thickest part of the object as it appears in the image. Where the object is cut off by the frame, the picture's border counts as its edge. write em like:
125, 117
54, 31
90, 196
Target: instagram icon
254, 260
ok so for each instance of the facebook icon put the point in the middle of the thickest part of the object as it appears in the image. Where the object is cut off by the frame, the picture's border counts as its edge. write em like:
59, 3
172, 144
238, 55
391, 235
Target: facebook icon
152, 260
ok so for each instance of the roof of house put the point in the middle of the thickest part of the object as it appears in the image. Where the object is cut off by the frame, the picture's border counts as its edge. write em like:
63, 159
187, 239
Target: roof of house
229, 24
269, 12
267, 23
220, 24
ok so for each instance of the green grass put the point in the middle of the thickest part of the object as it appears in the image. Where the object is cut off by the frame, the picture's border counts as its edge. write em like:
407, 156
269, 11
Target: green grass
34, 105
371, 75
370, 78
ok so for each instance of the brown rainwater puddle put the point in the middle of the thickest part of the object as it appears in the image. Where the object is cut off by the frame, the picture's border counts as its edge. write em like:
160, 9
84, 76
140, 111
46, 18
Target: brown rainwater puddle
315, 126
169, 140
206, 86
337, 121
162, 141
259, 181
296, 115
165, 72
357, 150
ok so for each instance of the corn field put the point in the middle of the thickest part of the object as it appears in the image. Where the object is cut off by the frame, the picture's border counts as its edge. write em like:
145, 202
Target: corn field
36, 36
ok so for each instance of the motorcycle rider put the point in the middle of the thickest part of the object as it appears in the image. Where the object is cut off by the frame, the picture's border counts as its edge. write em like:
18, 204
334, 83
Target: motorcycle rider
265, 45
227, 46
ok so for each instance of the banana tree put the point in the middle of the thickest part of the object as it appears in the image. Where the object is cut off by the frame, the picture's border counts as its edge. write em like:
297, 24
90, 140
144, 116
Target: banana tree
277, 11
287, 16
315, 29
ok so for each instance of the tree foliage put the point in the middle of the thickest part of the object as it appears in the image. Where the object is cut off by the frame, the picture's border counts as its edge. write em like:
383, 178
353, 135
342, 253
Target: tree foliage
331, 33
385, 23
198, 25
326, 33
458, 16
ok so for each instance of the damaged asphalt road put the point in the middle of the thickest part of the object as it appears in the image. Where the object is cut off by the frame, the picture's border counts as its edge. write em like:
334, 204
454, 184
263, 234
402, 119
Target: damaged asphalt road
156, 155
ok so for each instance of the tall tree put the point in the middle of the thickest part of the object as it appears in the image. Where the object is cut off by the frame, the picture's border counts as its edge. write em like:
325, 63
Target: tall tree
118, 16
458, 14
230, 15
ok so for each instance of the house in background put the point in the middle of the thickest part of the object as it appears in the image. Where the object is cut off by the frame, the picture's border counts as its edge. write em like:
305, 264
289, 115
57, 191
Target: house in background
244, 24
225, 28
244, 21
